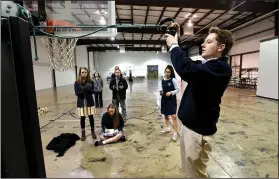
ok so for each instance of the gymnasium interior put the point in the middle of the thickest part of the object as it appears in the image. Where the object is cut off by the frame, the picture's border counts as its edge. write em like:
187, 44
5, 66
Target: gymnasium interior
39, 71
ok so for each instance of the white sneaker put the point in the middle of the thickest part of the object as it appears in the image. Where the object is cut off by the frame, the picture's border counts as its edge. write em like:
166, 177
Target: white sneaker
174, 137
166, 130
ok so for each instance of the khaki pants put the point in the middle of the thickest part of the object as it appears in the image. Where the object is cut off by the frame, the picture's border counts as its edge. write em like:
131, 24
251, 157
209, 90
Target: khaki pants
195, 150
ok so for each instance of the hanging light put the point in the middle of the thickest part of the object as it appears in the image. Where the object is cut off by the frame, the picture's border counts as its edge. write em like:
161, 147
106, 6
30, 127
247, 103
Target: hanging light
187, 15
102, 21
190, 24
188, 28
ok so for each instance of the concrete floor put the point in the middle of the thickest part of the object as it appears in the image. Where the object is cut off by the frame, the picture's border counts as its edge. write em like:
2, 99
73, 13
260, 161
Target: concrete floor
246, 144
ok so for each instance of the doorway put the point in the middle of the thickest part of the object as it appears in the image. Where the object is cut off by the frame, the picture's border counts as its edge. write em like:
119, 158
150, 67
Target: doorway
152, 72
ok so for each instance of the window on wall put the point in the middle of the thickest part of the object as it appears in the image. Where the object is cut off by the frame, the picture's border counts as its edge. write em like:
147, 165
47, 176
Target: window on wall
235, 64
250, 64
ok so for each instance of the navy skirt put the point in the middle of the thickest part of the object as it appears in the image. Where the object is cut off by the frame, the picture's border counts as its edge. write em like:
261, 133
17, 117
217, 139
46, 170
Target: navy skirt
168, 105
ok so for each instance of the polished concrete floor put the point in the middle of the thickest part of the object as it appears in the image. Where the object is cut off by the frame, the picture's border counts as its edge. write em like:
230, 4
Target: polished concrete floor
246, 144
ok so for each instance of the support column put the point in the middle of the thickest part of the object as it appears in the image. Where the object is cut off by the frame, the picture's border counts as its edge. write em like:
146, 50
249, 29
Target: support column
240, 66
88, 61
20, 107
276, 23
75, 55
13, 154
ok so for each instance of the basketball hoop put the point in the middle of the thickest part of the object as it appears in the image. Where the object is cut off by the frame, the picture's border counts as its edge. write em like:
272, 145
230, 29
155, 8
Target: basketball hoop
60, 50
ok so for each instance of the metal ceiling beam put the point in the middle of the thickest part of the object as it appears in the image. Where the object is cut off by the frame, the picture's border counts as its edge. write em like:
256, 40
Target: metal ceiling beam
90, 49
124, 20
203, 17
117, 15
63, 5
161, 15
146, 42
50, 8
146, 15
249, 6
145, 20
132, 16
242, 21
192, 14
201, 32
106, 41
230, 19
180, 9
213, 20
86, 12
77, 18
152, 30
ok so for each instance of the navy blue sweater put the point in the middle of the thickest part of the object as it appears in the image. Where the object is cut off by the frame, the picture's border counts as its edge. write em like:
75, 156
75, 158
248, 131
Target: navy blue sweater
200, 105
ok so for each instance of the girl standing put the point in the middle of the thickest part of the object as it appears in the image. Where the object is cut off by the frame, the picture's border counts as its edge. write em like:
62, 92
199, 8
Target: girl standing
98, 88
84, 89
168, 91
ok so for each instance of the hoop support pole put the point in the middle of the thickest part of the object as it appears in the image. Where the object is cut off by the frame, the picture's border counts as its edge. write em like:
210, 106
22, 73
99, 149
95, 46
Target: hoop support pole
35, 45
99, 26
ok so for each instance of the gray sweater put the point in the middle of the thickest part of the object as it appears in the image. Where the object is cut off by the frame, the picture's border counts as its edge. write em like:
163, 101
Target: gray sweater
98, 84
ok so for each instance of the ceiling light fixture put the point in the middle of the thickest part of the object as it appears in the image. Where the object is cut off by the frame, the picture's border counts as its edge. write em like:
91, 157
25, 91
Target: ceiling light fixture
102, 21
190, 24
112, 38
187, 15
188, 28
102, 12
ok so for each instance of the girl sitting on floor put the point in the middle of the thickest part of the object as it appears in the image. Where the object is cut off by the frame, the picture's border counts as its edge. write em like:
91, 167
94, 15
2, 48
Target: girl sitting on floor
112, 127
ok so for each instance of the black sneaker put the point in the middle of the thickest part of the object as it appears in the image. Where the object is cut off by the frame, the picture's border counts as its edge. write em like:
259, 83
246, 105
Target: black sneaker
98, 143
123, 138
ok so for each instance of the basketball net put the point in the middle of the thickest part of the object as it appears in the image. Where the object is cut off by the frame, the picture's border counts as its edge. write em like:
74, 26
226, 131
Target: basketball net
60, 51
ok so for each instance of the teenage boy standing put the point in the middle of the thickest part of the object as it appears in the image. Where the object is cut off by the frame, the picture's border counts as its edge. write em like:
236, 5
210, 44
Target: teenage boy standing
200, 105
119, 85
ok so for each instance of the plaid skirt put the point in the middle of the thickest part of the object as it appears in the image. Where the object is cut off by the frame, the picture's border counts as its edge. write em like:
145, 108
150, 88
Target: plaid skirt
86, 111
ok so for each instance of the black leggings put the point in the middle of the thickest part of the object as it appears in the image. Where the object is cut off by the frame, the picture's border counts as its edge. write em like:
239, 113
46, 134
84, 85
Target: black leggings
91, 120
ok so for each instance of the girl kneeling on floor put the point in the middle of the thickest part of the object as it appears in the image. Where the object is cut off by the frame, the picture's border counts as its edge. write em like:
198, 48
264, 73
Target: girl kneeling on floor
84, 89
112, 127
168, 91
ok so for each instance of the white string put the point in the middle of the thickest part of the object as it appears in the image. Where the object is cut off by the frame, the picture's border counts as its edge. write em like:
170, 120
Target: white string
61, 52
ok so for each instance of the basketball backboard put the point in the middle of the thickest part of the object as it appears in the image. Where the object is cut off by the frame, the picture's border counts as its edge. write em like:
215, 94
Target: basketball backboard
80, 13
